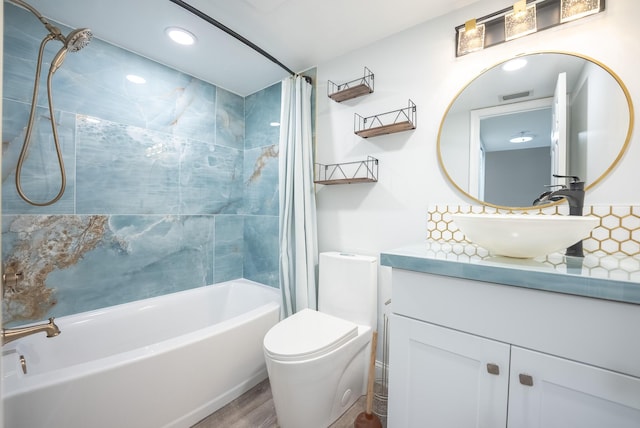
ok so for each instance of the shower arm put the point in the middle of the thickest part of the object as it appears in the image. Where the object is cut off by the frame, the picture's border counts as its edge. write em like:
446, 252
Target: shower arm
53, 30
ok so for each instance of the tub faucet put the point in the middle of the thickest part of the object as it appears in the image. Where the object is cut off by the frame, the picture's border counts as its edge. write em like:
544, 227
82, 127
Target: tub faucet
11, 334
574, 194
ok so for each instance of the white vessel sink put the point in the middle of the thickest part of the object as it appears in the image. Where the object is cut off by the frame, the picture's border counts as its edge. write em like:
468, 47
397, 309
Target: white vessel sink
524, 235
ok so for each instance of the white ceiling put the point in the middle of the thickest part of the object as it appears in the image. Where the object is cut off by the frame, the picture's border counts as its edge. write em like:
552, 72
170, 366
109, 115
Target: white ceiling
299, 33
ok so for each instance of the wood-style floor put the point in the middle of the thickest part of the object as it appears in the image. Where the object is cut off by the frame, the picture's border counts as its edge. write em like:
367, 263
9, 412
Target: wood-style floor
255, 409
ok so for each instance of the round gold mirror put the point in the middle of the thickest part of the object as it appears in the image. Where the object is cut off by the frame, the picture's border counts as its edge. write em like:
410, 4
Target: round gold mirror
514, 126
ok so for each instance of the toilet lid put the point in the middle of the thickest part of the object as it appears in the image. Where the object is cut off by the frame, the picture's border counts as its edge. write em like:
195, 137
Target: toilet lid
307, 334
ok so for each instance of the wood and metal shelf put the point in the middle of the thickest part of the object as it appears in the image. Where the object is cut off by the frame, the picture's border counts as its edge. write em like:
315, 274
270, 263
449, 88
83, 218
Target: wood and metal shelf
352, 89
365, 171
400, 120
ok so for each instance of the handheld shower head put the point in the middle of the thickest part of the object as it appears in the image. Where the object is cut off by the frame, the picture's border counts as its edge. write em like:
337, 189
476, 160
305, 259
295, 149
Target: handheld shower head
78, 39
58, 60
74, 41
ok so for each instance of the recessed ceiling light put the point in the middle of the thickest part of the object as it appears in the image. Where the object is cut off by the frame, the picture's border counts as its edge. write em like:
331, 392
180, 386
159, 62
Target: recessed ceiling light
274, 124
514, 64
180, 35
136, 79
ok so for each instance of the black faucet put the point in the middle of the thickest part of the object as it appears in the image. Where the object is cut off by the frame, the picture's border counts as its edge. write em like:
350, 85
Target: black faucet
574, 194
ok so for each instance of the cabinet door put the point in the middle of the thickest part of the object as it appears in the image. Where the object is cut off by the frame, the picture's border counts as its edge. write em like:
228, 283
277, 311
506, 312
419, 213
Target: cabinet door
551, 392
444, 378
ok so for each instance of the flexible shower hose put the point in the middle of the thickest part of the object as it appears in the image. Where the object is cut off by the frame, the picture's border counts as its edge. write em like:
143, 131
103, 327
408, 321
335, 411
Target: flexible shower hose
27, 138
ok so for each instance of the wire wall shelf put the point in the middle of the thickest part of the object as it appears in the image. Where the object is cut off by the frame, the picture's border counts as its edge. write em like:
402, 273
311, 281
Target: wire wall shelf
365, 171
391, 122
352, 89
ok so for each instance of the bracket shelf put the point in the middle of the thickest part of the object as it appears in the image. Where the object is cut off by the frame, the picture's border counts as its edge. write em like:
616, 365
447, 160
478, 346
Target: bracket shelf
353, 89
365, 171
391, 122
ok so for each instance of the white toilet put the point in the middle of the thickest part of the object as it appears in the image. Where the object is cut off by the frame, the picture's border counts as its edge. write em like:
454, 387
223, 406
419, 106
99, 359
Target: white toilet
317, 360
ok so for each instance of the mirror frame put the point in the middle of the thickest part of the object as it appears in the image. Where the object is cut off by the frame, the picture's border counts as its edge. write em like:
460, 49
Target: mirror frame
589, 186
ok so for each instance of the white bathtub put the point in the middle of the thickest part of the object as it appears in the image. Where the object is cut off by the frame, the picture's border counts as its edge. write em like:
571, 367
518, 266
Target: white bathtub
167, 361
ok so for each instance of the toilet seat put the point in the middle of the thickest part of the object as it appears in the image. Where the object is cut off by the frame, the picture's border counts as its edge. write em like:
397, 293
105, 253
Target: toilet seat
307, 334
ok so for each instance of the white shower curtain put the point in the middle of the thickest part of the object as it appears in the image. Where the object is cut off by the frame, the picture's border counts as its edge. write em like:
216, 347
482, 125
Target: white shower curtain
298, 236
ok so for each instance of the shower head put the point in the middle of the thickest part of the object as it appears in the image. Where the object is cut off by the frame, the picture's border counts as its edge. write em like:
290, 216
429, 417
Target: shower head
77, 39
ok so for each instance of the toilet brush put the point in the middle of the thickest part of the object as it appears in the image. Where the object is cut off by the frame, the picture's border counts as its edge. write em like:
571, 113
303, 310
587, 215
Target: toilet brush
367, 419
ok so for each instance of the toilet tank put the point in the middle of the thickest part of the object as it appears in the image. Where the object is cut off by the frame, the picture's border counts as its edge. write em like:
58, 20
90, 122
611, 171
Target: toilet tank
348, 287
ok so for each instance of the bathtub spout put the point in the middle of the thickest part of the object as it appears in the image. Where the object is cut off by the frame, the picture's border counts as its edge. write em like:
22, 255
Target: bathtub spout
11, 334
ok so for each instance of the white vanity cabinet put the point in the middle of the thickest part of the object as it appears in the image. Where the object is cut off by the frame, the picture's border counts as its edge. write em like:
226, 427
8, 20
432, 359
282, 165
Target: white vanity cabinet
438, 377
552, 392
473, 354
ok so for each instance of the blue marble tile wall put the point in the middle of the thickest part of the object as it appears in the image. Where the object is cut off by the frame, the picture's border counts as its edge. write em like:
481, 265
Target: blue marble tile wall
261, 195
170, 185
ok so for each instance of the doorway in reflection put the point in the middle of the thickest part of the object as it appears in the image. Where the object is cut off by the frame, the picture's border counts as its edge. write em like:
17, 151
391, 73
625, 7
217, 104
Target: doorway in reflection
514, 160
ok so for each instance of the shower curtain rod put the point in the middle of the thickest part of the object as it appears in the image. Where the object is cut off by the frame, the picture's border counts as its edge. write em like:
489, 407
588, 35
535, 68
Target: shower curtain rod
232, 33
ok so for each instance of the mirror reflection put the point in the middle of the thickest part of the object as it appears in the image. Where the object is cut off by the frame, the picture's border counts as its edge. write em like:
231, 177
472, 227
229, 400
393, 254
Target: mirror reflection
516, 125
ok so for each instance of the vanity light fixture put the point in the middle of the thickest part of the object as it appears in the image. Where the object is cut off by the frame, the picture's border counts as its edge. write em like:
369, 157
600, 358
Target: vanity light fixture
574, 9
521, 21
180, 35
470, 38
523, 18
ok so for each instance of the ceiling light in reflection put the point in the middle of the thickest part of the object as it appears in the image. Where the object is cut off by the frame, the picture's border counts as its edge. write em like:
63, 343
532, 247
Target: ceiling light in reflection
89, 119
133, 78
155, 151
181, 36
514, 64
521, 138
274, 124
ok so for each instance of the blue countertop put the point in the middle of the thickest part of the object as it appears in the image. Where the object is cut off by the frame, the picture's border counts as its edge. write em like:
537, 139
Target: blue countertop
610, 277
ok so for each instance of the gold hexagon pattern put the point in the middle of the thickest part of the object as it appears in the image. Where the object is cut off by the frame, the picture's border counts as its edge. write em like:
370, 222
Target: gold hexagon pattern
617, 234
613, 247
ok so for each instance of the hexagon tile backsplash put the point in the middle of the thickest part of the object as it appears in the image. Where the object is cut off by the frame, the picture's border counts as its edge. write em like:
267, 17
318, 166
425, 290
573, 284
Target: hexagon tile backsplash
617, 234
